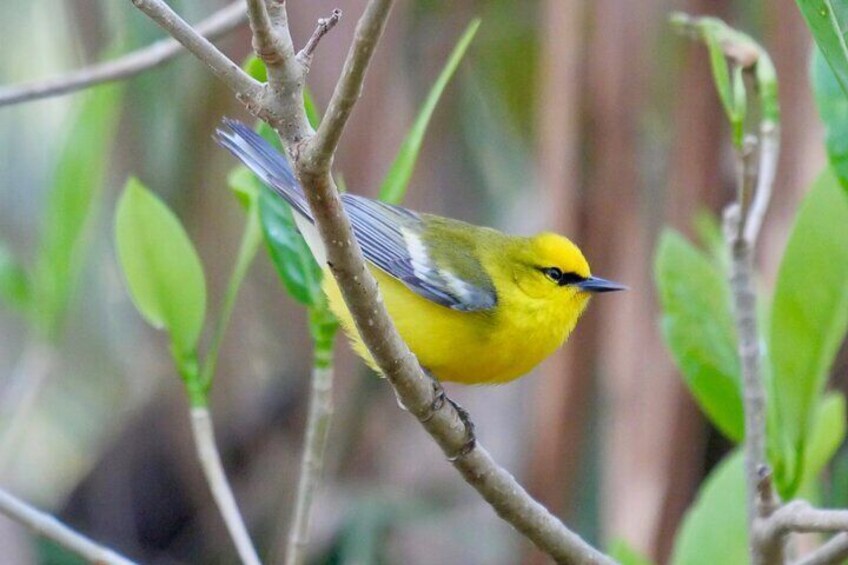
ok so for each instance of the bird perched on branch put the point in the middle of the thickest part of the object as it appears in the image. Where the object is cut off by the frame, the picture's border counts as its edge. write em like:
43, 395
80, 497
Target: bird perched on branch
475, 305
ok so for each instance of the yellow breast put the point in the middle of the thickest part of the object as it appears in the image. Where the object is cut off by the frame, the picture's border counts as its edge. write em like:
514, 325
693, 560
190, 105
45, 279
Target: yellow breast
467, 347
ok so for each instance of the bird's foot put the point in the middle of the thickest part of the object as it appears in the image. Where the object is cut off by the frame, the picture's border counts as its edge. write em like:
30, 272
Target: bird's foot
439, 399
470, 436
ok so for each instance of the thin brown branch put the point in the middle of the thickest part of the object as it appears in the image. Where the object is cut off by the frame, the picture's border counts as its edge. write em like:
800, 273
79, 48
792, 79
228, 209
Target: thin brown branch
246, 89
312, 463
800, 516
218, 24
415, 390
304, 57
834, 551
271, 46
213, 469
48, 526
319, 152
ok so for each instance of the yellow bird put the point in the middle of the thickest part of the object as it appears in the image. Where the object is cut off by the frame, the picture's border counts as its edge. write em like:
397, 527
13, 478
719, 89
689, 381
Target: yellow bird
475, 305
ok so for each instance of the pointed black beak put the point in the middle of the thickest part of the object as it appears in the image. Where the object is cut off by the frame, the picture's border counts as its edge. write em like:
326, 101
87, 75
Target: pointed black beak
597, 284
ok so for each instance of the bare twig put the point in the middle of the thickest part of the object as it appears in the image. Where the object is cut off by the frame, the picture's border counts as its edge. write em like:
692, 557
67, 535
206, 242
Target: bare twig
268, 44
218, 24
320, 150
304, 57
315, 443
210, 460
312, 160
835, 550
769, 150
49, 527
21, 395
247, 90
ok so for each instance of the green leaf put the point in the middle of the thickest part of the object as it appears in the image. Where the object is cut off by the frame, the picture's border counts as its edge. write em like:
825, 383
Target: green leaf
809, 315
715, 528
244, 185
697, 325
828, 21
161, 267
624, 553
14, 283
297, 268
72, 205
397, 179
826, 435
833, 108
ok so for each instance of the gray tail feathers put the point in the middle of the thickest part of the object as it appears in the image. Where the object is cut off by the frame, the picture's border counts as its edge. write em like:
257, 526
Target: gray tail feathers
265, 161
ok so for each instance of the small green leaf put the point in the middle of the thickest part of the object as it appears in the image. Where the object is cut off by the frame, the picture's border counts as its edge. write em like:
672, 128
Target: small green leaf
697, 325
715, 528
72, 205
14, 283
161, 267
828, 21
297, 268
624, 553
833, 108
809, 315
397, 179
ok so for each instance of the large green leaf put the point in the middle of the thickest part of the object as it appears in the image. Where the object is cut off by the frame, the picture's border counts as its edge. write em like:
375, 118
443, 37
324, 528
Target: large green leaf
826, 435
809, 314
697, 325
161, 267
833, 108
715, 529
72, 204
297, 268
397, 179
14, 283
828, 21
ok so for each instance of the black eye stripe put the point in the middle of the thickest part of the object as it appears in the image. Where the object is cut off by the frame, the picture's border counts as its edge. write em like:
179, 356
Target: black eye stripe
562, 279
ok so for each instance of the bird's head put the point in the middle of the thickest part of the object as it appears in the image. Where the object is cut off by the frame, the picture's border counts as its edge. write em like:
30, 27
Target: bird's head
553, 268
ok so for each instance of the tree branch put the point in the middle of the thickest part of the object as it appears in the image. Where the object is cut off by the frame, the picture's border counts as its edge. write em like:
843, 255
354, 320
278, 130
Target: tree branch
246, 89
218, 24
49, 527
210, 461
304, 56
835, 550
315, 444
312, 161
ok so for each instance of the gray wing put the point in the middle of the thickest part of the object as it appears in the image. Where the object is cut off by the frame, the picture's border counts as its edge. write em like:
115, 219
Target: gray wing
392, 238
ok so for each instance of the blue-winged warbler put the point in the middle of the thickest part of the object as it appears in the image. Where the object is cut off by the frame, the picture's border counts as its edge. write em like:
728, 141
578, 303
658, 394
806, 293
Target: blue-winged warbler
475, 305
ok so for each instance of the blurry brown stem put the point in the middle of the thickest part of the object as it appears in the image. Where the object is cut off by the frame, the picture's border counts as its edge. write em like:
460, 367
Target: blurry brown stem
312, 157
210, 461
51, 528
315, 444
835, 550
20, 395
220, 23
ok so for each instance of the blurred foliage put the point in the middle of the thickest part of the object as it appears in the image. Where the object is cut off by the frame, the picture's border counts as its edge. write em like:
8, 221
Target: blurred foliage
622, 552
809, 315
833, 108
396, 181
71, 207
828, 22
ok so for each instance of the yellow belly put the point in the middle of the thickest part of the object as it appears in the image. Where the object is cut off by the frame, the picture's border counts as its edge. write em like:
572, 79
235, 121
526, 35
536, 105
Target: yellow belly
464, 347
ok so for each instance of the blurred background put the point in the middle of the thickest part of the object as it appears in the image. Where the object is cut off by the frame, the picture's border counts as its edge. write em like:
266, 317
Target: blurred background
589, 118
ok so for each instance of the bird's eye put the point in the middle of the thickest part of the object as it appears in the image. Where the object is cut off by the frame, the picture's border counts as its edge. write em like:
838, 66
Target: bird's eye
553, 273
562, 279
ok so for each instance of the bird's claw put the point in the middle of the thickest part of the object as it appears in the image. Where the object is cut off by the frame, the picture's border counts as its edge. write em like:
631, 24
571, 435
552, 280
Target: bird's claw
439, 399
470, 437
